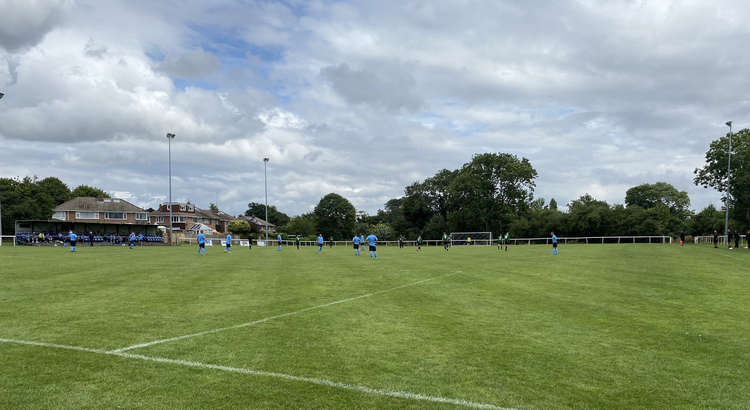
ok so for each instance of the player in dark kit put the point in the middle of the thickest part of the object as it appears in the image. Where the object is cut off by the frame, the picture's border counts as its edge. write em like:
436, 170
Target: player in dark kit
682, 238
296, 241
446, 241
419, 243
716, 239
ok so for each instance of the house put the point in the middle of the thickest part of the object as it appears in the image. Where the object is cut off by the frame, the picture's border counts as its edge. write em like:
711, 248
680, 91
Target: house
258, 224
185, 215
100, 211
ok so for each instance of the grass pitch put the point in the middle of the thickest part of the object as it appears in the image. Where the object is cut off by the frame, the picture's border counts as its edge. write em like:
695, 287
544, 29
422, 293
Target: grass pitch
600, 326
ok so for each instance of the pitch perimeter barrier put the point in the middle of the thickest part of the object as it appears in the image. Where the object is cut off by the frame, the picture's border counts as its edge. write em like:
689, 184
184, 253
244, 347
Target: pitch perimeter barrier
7, 240
709, 239
585, 240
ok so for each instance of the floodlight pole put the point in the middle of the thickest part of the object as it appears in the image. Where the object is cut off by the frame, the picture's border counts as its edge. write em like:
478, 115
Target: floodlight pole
729, 181
265, 183
170, 137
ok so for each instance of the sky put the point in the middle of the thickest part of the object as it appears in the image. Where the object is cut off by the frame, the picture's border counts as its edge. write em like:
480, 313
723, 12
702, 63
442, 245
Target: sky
363, 98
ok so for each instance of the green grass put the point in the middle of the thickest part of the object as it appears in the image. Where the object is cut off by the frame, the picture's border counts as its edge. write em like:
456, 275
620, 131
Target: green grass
600, 326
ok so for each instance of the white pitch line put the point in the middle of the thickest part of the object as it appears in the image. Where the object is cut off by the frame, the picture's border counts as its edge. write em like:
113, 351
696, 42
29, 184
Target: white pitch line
311, 380
259, 321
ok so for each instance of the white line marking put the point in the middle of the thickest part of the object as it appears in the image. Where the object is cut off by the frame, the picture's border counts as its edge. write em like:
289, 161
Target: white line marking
259, 321
312, 380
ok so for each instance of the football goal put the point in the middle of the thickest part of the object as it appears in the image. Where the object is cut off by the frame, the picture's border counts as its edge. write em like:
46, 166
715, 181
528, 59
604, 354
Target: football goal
471, 238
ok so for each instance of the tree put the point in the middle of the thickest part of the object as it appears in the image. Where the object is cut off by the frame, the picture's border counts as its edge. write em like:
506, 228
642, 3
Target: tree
335, 216
714, 173
88, 191
383, 231
212, 206
490, 191
649, 196
56, 189
552, 204
274, 215
30, 198
239, 227
662, 201
301, 225
706, 221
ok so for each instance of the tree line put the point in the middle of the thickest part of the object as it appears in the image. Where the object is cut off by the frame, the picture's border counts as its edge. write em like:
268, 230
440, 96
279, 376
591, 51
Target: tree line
34, 198
494, 192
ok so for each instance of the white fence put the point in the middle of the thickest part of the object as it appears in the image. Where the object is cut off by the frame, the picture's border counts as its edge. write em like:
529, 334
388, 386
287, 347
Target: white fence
722, 239
590, 240
7, 240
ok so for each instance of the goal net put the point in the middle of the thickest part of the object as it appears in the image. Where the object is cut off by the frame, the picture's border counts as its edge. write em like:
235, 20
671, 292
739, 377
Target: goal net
471, 238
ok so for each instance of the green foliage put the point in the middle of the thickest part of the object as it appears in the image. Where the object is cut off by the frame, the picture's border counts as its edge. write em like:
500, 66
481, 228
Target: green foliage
714, 173
30, 198
706, 221
212, 206
335, 217
383, 231
88, 191
302, 225
275, 216
239, 227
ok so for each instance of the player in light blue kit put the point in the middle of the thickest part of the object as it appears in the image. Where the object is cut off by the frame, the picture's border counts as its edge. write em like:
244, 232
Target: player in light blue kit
278, 242
355, 240
229, 243
73, 238
201, 243
320, 242
131, 239
554, 244
372, 240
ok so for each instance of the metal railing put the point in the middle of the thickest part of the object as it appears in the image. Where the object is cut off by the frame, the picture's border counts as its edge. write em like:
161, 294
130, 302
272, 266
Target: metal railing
590, 240
5, 239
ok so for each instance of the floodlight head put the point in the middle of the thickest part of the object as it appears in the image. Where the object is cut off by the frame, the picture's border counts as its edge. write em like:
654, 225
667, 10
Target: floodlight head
1, 96
729, 123
170, 135
265, 159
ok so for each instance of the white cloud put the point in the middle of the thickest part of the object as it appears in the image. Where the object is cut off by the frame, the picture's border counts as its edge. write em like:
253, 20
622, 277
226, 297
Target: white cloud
363, 98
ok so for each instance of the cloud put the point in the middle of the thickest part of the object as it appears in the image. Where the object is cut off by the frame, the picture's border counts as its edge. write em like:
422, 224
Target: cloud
393, 89
23, 23
364, 98
191, 65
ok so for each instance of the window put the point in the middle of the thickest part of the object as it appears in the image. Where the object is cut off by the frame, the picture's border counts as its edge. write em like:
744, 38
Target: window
182, 207
115, 215
178, 219
59, 215
87, 215
141, 217
159, 219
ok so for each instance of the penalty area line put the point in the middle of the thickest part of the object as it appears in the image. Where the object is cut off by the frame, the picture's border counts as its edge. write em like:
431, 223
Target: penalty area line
267, 319
311, 380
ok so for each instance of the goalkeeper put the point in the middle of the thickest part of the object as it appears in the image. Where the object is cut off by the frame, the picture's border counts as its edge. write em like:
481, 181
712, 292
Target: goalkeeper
446, 241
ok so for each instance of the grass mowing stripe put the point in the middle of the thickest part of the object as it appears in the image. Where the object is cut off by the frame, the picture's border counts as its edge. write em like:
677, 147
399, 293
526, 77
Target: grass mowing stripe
259, 321
311, 380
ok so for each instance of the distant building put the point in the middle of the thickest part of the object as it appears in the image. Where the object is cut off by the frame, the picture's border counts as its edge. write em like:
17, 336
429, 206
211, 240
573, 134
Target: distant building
258, 224
100, 211
185, 216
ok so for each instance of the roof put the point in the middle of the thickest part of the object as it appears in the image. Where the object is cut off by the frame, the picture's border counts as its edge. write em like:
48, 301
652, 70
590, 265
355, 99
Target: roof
256, 221
98, 205
200, 228
209, 213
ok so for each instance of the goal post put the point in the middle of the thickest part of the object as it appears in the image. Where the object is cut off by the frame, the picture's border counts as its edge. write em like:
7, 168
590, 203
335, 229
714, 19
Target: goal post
471, 238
